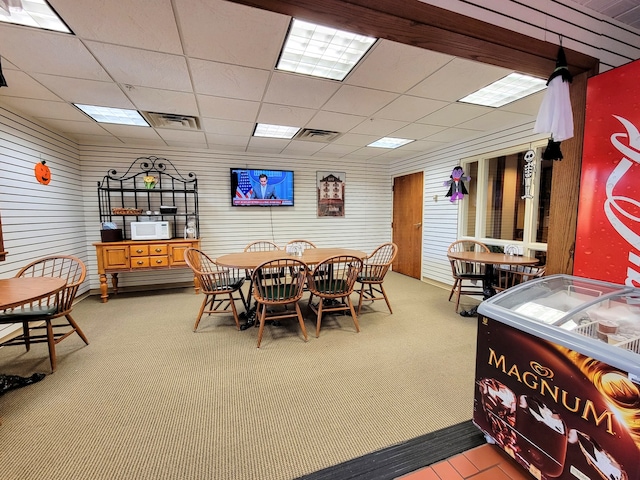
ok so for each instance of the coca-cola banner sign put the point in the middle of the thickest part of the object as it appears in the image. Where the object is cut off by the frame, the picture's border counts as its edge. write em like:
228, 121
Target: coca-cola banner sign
608, 234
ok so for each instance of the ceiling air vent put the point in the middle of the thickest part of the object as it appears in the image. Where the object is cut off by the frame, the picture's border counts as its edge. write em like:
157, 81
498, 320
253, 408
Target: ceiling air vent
313, 135
171, 120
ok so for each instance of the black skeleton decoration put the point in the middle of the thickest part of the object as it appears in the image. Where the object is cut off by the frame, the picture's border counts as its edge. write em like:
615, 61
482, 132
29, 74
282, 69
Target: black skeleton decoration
527, 173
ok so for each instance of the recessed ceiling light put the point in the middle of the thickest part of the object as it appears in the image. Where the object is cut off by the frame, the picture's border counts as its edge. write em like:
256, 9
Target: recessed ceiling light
274, 131
113, 115
31, 13
322, 51
506, 90
390, 142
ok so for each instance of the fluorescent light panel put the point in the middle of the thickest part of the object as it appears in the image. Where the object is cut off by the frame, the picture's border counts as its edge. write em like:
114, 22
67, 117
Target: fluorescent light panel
322, 51
390, 142
506, 90
119, 116
274, 131
31, 13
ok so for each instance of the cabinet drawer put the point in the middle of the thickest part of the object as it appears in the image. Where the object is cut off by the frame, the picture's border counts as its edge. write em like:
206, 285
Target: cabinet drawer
146, 262
139, 250
158, 250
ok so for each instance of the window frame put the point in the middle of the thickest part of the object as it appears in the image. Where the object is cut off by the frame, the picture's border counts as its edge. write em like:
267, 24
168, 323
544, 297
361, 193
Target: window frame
529, 243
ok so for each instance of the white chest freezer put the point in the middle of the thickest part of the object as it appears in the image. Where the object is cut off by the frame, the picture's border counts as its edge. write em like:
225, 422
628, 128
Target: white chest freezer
558, 377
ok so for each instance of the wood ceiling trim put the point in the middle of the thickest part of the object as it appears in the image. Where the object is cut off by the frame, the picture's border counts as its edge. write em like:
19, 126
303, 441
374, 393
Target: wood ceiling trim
433, 28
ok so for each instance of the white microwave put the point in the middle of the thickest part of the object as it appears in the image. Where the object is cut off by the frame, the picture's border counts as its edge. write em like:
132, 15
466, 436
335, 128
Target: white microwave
150, 230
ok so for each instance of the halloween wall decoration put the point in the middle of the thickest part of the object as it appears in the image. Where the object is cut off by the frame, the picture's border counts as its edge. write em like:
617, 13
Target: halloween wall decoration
555, 115
42, 173
457, 190
528, 171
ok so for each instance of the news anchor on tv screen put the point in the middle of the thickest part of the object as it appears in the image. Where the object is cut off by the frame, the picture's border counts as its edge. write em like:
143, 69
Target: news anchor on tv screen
261, 188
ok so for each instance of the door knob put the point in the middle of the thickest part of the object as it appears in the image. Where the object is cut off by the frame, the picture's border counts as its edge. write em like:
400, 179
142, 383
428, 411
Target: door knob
417, 225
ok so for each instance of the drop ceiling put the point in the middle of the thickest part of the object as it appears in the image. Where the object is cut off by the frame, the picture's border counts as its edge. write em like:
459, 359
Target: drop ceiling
214, 60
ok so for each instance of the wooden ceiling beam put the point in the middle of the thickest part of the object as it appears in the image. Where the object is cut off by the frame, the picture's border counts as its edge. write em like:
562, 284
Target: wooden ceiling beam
433, 28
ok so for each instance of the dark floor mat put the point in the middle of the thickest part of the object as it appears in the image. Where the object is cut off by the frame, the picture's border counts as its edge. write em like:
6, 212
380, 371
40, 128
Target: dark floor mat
406, 457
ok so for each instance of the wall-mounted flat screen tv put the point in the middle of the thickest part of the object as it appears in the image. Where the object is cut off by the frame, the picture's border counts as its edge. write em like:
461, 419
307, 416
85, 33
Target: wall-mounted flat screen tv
261, 188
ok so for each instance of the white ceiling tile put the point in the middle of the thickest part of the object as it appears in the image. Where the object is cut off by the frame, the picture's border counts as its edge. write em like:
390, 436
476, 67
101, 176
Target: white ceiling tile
131, 131
72, 126
298, 147
359, 101
143, 67
227, 146
221, 139
231, 33
378, 126
22, 85
496, 120
456, 80
299, 90
395, 67
95, 139
339, 122
284, 115
356, 140
142, 24
154, 141
228, 108
451, 135
36, 51
87, 92
224, 72
453, 114
45, 109
163, 101
182, 138
528, 105
226, 127
410, 109
223, 80
271, 145
334, 149
417, 131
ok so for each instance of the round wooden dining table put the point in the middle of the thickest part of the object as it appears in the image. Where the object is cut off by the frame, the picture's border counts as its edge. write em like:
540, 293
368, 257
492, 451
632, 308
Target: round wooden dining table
22, 290
310, 256
250, 260
489, 259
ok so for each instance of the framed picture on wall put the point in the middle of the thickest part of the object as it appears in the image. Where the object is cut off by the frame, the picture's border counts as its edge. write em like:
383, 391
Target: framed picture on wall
331, 193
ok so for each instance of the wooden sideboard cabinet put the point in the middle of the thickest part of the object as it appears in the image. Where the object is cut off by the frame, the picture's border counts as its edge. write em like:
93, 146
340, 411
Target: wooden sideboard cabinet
136, 255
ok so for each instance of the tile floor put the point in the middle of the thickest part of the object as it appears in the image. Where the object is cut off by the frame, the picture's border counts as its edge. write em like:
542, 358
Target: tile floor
486, 462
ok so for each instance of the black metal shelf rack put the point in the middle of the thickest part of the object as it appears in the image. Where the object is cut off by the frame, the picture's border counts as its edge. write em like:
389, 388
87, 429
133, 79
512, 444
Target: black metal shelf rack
130, 191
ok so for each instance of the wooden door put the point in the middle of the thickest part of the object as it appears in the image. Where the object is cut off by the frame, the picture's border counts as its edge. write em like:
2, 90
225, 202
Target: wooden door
407, 224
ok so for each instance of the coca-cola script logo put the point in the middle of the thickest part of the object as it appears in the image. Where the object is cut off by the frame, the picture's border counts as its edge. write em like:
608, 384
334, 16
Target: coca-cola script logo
616, 207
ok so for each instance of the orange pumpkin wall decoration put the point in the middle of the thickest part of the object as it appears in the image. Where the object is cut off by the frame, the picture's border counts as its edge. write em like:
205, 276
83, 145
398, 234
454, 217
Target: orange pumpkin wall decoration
42, 172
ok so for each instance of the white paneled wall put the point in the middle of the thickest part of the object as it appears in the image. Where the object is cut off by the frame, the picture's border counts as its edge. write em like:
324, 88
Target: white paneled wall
225, 229
38, 220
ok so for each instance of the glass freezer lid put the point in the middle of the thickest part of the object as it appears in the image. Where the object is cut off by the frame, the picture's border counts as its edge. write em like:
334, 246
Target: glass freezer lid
596, 318
554, 299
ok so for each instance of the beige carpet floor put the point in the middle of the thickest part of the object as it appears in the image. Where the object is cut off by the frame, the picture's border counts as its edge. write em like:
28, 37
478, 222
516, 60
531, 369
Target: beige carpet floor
150, 399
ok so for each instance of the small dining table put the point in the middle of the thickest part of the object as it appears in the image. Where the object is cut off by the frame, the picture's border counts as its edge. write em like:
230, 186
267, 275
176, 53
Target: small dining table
22, 290
310, 256
250, 260
489, 259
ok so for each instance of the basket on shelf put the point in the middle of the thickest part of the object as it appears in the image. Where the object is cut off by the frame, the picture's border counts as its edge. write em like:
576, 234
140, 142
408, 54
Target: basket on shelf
126, 211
